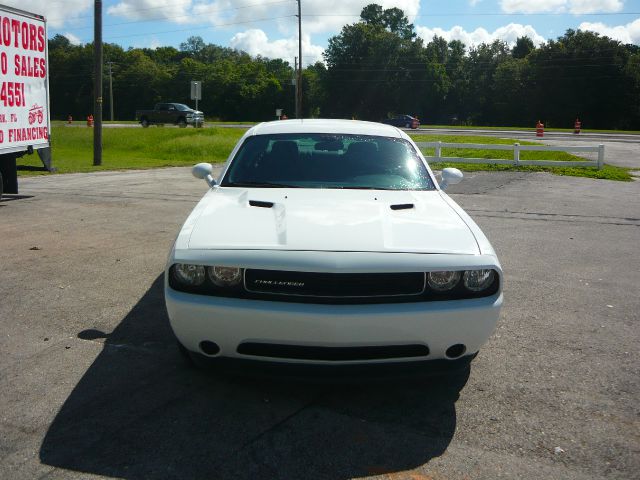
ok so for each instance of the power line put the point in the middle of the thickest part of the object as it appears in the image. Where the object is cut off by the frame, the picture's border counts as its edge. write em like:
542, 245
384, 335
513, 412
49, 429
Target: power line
480, 14
174, 4
201, 28
156, 19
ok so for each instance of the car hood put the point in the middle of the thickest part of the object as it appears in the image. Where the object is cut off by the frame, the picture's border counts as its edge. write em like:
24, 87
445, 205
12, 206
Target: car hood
329, 220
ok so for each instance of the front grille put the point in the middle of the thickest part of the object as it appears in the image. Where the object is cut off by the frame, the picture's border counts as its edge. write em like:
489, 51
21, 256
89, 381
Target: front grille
334, 285
336, 354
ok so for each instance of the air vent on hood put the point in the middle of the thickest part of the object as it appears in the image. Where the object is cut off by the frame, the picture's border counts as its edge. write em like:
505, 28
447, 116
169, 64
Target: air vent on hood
402, 206
258, 203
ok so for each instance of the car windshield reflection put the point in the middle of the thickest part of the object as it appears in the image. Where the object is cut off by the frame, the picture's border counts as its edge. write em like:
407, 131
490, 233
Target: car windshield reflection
327, 161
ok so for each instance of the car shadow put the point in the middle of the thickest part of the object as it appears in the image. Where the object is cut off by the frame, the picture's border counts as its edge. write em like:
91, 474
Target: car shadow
9, 197
141, 412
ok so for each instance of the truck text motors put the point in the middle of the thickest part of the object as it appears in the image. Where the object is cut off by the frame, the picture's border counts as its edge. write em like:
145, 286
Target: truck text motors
24, 92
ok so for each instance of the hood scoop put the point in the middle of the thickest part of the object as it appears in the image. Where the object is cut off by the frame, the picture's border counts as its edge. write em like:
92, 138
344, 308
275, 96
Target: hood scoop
260, 203
402, 206
325, 220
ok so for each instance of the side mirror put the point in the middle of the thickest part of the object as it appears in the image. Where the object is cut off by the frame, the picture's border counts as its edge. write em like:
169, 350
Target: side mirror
204, 171
450, 176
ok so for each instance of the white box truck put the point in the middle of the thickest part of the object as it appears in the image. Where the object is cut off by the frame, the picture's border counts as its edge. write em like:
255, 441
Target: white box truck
24, 93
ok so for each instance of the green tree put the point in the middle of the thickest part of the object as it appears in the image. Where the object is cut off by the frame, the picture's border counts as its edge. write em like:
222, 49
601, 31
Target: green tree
522, 48
373, 66
193, 46
581, 74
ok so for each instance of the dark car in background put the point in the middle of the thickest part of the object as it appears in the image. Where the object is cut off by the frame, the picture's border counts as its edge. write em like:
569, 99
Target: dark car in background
173, 113
402, 121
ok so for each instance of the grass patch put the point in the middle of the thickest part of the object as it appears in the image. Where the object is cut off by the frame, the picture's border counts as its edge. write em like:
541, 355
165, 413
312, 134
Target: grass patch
138, 148
607, 172
83, 122
132, 148
532, 128
501, 154
249, 124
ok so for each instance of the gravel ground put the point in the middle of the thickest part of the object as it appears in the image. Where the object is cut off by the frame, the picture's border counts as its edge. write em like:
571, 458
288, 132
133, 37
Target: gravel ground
92, 385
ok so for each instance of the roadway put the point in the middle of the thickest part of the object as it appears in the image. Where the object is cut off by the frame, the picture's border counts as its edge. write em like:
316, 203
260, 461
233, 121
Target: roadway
93, 386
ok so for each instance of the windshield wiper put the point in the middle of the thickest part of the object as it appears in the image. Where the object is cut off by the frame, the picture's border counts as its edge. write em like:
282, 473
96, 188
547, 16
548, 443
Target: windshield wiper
258, 185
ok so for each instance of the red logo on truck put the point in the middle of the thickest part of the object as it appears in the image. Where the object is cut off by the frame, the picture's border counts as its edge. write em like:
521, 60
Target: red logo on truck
35, 113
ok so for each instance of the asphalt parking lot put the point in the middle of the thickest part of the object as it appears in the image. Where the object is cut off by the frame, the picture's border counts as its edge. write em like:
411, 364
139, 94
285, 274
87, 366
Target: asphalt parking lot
92, 385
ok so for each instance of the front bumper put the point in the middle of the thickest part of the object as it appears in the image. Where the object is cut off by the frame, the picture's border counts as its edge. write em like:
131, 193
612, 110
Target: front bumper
230, 322
195, 120
349, 373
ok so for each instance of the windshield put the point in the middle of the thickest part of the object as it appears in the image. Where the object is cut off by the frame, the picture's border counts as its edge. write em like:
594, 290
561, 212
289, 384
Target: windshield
182, 107
308, 160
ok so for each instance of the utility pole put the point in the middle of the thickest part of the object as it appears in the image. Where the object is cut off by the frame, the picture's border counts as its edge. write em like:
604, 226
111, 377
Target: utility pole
110, 89
295, 82
97, 82
299, 82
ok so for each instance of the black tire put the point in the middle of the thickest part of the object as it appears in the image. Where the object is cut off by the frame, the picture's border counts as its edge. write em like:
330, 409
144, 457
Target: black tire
1, 186
408, 125
144, 122
182, 123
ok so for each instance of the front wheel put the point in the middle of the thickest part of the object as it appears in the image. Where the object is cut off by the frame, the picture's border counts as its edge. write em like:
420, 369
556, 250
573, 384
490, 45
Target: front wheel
182, 123
407, 125
145, 123
1, 186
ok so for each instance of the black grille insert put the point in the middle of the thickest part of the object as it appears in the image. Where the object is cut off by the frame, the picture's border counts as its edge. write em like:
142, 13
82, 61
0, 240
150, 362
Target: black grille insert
334, 285
336, 354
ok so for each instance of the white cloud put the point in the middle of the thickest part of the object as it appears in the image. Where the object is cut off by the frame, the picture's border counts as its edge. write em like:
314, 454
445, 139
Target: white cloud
178, 11
256, 42
317, 15
561, 6
629, 33
533, 6
57, 12
151, 42
595, 6
331, 15
508, 33
72, 38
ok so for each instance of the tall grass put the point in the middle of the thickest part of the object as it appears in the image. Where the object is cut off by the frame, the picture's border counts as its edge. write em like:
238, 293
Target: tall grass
123, 148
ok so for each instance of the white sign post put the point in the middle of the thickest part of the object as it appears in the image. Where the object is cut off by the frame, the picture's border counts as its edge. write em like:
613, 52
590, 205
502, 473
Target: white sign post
196, 92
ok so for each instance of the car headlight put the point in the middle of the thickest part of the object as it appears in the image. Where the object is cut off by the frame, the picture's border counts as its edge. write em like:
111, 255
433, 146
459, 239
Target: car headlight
443, 281
478, 280
188, 274
225, 276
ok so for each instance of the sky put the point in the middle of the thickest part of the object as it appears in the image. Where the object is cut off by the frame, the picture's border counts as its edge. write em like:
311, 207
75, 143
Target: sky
269, 27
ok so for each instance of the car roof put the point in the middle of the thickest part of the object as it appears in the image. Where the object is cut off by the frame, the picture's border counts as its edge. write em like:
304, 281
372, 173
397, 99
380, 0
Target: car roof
318, 125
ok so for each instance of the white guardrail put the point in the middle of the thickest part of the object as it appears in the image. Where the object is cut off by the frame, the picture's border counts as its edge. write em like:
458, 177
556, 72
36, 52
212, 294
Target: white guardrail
516, 148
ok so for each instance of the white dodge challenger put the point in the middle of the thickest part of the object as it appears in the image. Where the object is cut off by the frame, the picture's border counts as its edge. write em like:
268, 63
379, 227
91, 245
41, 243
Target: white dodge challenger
330, 243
